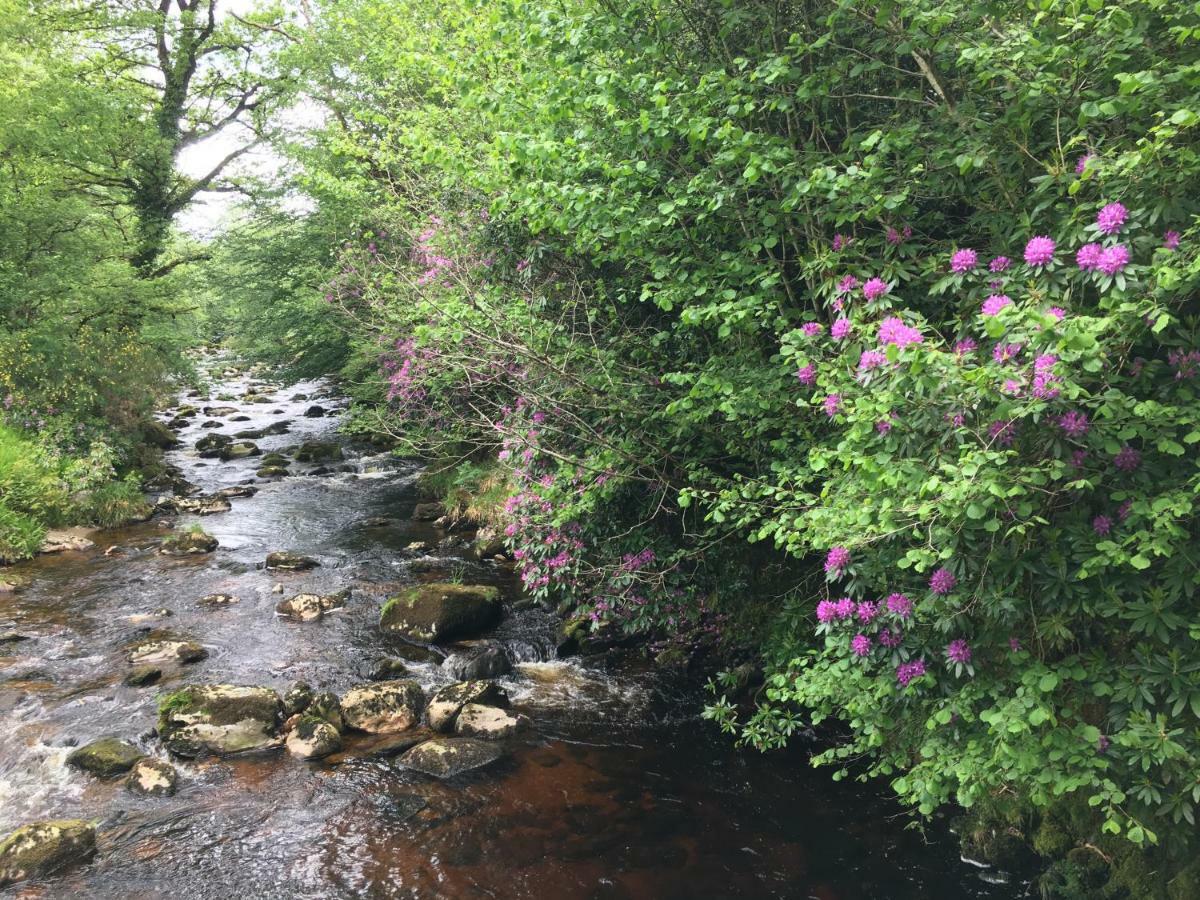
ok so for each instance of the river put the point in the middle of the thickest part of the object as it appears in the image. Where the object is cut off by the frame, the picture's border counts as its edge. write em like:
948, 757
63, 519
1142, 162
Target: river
617, 790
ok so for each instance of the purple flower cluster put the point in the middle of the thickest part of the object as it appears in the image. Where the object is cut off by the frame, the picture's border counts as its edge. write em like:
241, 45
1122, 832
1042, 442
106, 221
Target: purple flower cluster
942, 581
836, 559
1088, 257
841, 328
812, 329
831, 404
909, 671
871, 359
958, 651
1102, 525
999, 264
807, 374
1113, 259
993, 304
1127, 460
892, 330
1074, 423
1111, 218
875, 288
1039, 251
860, 645
899, 605
964, 261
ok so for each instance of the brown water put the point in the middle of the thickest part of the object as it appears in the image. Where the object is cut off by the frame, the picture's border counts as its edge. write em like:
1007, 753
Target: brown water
617, 791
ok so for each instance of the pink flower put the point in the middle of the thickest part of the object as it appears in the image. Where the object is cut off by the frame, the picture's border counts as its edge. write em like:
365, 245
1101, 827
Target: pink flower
866, 612
1082, 163
826, 611
871, 359
860, 645
1011, 386
883, 426
958, 651
1124, 510
833, 402
1102, 525
907, 672
1114, 259
993, 304
1074, 423
891, 638
1039, 251
807, 374
899, 605
1002, 353
840, 241
1014, 644
892, 330
942, 581
1127, 460
999, 264
812, 329
963, 261
1088, 256
841, 328
847, 284
1171, 240
893, 236
1058, 312
965, 346
836, 559
1002, 433
875, 288
1111, 218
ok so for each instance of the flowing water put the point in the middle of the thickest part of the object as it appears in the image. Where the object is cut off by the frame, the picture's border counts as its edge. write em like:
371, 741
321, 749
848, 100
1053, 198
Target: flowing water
618, 790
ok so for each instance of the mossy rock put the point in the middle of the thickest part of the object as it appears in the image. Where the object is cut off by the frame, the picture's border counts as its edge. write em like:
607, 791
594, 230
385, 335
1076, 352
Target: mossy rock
313, 738
189, 543
212, 443
240, 450
106, 757
220, 719
274, 459
43, 848
441, 611
273, 472
156, 434
319, 451
383, 707
447, 703
447, 757
141, 676
289, 561
152, 778
163, 646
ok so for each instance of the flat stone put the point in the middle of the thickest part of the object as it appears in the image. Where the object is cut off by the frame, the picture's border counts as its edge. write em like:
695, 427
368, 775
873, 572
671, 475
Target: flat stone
188, 543
307, 607
218, 600
200, 506
290, 562
43, 848
106, 757
152, 778
447, 757
488, 722
62, 540
220, 719
445, 705
441, 611
239, 490
384, 707
164, 647
12, 637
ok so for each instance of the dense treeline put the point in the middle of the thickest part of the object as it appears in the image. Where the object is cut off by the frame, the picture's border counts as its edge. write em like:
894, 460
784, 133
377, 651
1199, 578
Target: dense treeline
856, 339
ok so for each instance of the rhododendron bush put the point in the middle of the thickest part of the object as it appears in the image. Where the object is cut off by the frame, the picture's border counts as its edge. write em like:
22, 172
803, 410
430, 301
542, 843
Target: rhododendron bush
901, 294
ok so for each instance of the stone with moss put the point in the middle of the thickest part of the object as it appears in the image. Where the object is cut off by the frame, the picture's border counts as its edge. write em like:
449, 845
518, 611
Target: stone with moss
106, 757
142, 676
192, 542
220, 719
307, 607
289, 561
319, 451
445, 705
43, 848
384, 707
152, 778
239, 450
162, 646
441, 611
272, 472
448, 757
328, 708
313, 738
490, 723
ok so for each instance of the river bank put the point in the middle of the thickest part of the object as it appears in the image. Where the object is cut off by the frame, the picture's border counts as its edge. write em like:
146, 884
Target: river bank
613, 789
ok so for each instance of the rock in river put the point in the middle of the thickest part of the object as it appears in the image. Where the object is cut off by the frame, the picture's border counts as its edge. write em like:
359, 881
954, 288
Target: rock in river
307, 607
289, 561
165, 647
489, 660
200, 506
384, 707
488, 722
446, 704
42, 848
313, 738
188, 543
210, 445
441, 611
240, 450
152, 778
447, 757
220, 719
106, 757
66, 539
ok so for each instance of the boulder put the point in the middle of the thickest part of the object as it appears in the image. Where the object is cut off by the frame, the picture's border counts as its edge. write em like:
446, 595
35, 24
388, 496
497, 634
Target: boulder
239, 490
290, 561
220, 719
441, 611
156, 434
447, 757
165, 647
319, 451
106, 757
445, 705
152, 778
415, 653
489, 543
428, 512
328, 708
274, 459
218, 600
488, 722
272, 472
188, 543
314, 412
307, 607
141, 676
220, 410
200, 506
42, 848
297, 699
211, 444
212, 423
313, 738
388, 669
66, 539
12, 637
186, 412
240, 450
384, 707
483, 661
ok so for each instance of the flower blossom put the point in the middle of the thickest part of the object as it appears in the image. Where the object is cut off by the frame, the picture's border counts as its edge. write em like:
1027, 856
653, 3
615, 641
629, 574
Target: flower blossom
1114, 259
836, 559
860, 645
812, 329
907, 672
942, 581
1127, 460
892, 330
1102, 525
958, 651
963, 261
1171, 240
841, 328
1111, 218
1074, 423
899, 605
833, 403
807, 374
999, 264
1039, 251
875, 288
847, 284
1088, 256
993, 304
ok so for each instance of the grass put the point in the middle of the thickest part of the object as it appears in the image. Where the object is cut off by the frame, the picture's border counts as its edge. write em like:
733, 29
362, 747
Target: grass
471, 491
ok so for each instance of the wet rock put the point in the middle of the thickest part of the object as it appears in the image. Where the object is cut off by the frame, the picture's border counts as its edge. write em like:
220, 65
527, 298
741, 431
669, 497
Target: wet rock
66, 539
416, 653
328, 708
277, 589
210, 445
388, 669
215, 600
384, 707
441, 611
165, 647
12, 637
10, 584
239, 450
156, 434
42, 848
418, 547
307, 607
275, 459
319, 451
220, 719
489, 543
314, 412
142, 676
447, 757
188, 543
186, 412
241, 418
200, 506
298, 698
152, 778
488, 661
427, 512
106, 757
378, 522
447, 703
313, 738
254, 434
290, 562
673, 658
488, 722
220, 410
212, 423
273, 472
239, 490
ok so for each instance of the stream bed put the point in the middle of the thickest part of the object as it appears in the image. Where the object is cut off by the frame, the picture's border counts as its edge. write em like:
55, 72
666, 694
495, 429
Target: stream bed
616, 790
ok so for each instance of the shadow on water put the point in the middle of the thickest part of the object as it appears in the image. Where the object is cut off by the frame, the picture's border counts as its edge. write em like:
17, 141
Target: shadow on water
618, 790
